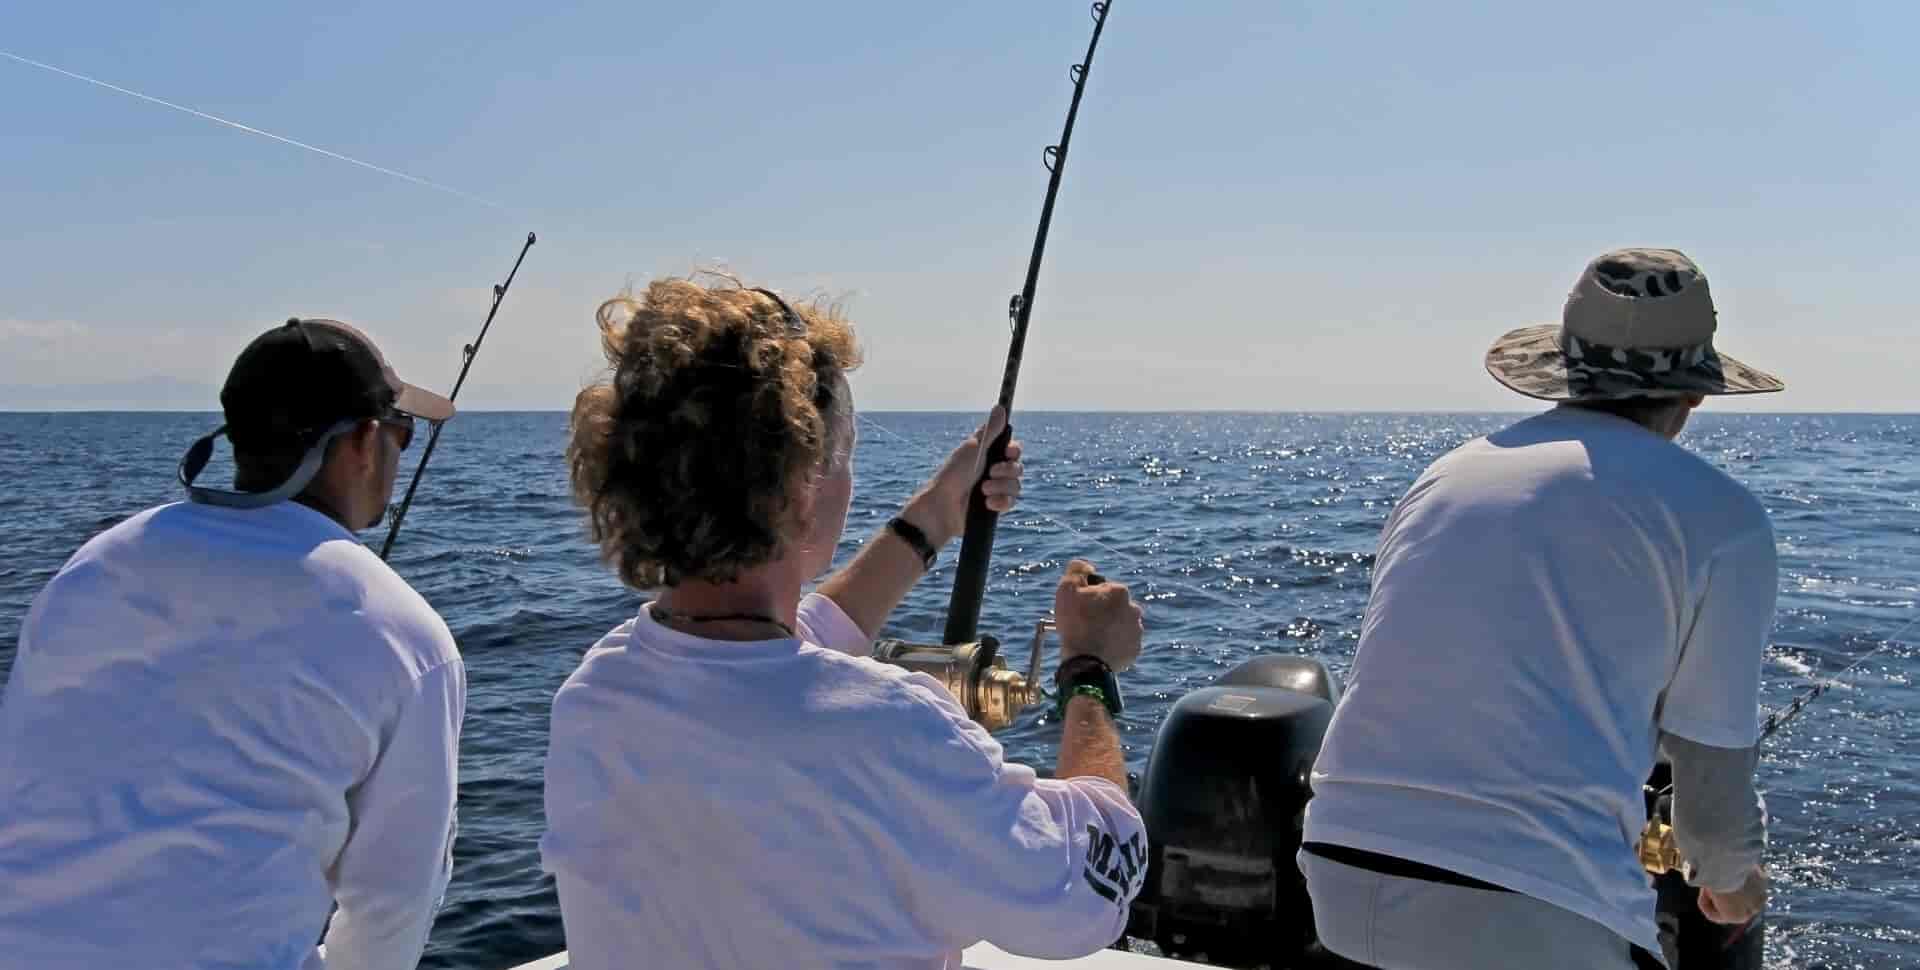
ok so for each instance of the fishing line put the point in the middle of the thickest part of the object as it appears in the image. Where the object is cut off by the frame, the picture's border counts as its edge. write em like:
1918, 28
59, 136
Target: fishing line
266, 134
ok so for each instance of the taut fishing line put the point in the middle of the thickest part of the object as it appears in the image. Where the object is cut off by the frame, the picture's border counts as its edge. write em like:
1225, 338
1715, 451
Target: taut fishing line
415, 179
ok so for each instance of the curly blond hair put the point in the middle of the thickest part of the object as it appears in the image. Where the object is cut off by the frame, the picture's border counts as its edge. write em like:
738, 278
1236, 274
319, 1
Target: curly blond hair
716, 409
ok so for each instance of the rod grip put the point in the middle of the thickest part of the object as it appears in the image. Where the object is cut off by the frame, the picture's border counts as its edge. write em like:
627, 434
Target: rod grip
976, 552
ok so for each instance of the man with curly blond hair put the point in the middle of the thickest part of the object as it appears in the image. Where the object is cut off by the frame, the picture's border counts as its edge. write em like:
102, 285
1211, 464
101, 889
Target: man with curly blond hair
732, 781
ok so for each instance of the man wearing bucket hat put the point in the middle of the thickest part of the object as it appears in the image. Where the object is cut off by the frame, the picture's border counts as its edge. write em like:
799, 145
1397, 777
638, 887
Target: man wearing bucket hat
1552, 604
226, 715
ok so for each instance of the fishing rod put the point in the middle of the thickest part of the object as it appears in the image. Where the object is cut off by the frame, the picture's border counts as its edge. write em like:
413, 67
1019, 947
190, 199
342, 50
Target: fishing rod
967, 665
976, 544
1658, 852
467, 354
1779, 719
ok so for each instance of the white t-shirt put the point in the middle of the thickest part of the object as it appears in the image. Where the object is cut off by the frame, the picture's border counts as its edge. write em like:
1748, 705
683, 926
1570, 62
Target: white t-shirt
786, 803
219, 724
1546, 600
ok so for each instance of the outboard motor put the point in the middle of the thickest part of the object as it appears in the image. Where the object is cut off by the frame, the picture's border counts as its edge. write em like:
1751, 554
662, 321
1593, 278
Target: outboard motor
1224, 797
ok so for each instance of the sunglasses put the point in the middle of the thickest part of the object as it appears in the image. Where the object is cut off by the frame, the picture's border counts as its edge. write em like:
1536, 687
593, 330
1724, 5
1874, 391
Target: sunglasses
401, 420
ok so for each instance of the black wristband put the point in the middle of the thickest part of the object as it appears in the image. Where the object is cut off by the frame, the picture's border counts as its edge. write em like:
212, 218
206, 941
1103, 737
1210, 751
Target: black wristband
912, 535
1086, 671
1079, 665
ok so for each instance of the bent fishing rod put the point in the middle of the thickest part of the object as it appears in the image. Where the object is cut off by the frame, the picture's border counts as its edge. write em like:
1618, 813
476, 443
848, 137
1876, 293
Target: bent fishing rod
967, 665
467, 354
1657, 849
1780, 718
976, 544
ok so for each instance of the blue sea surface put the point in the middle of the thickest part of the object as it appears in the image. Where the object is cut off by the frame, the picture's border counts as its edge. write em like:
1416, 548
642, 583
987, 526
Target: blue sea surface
1244, 533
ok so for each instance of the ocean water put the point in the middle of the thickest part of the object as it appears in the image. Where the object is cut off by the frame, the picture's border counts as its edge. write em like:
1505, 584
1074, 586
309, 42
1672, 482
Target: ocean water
1244, 533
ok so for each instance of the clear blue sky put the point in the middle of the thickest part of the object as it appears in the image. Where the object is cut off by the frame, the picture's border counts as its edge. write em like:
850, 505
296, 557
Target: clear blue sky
1270, 205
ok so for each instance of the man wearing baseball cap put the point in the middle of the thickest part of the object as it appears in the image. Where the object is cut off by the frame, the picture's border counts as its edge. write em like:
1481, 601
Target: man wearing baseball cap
227, 716
1552, 604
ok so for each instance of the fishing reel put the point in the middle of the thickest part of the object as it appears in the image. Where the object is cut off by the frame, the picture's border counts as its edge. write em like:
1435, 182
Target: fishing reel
975, 673
1687, 937
1659, 854
1657, 851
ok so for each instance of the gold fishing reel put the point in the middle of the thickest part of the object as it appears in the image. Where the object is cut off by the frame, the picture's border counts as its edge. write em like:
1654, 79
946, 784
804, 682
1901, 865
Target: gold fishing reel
992, 694
1659, 853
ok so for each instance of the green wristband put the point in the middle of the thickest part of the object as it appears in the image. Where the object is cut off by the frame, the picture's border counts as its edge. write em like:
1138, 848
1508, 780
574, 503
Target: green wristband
1080, 690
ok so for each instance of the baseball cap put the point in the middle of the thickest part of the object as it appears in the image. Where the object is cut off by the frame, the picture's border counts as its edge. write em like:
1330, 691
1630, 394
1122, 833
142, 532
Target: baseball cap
302, 377
301, 384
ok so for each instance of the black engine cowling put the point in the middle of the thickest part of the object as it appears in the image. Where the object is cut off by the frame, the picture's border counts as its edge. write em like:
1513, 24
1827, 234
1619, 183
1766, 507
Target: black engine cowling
1223, 797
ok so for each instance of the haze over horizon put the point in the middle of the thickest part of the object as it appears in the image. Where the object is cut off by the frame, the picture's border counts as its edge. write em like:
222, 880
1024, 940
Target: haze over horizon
1268, 207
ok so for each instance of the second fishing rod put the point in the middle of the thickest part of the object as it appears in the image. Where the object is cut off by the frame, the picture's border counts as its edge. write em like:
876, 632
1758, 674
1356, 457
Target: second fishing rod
467, 354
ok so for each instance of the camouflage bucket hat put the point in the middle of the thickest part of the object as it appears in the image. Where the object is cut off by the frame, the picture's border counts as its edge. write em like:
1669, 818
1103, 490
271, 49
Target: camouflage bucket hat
1639, 323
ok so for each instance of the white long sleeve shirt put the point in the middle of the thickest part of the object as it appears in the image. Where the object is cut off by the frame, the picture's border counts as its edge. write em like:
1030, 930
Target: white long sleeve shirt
789, 803
221, 724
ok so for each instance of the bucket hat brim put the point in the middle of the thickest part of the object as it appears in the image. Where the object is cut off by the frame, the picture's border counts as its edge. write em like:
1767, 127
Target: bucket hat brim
1533, 361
